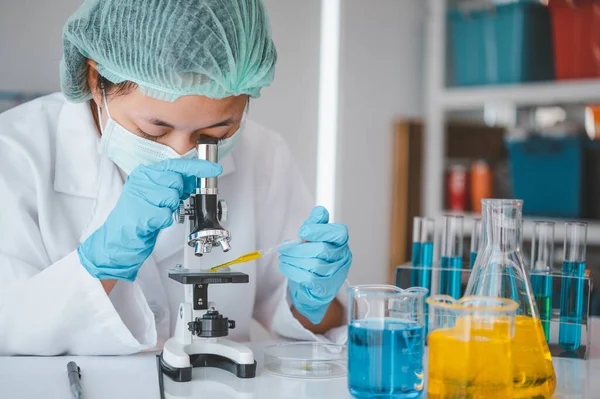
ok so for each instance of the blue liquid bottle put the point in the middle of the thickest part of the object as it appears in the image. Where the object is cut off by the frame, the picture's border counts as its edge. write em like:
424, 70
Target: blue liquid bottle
542, 261
573, 286
475, 241
451, 258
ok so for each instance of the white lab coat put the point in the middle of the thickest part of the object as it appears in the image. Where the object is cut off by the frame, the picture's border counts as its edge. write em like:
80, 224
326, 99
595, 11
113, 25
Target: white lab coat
56, 190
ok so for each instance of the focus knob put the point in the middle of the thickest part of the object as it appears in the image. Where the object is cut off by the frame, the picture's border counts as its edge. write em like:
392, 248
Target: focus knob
179, 214
222, 211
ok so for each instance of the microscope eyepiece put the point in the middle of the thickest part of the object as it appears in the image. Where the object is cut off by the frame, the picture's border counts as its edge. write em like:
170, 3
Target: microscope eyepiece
204, 139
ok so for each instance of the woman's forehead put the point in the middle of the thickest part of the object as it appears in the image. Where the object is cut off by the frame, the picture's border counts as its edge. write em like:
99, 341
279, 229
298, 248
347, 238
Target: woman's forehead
186, 111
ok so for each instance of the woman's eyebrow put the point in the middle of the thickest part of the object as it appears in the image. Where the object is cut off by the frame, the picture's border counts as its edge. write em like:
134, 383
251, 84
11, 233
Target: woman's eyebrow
158, 122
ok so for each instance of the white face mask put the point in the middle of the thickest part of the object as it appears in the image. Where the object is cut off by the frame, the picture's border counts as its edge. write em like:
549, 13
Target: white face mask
128, 150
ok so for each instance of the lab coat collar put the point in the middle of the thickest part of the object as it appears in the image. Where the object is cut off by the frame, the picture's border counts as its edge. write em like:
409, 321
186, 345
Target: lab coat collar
77, 163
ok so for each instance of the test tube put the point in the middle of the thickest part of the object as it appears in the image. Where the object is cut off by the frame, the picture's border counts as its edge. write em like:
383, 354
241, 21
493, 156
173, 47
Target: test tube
572, 289
427, 238
415, 273
542, 260
451, 258
475, 241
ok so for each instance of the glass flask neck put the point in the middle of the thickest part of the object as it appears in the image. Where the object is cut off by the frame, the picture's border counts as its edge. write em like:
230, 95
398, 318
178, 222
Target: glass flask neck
503, 224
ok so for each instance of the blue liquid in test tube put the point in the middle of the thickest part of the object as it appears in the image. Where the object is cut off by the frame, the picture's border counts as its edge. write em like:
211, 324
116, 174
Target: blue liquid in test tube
386, 358
451, 258
542, 260
450, 276
415, 273
572, 290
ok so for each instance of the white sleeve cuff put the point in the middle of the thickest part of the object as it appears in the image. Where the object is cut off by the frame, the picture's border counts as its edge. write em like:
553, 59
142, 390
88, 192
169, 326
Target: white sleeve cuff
119, 323
286, 325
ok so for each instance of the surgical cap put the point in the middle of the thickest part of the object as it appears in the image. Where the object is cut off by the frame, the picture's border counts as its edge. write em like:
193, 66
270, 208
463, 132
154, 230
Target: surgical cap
170, 48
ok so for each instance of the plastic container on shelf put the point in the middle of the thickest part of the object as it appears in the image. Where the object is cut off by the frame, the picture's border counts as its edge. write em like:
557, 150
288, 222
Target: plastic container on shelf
576, 34
546, 172
500, 42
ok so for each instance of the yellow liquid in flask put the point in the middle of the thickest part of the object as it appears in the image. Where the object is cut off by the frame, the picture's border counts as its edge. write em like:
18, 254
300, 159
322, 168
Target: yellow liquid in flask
476, 360
533, 372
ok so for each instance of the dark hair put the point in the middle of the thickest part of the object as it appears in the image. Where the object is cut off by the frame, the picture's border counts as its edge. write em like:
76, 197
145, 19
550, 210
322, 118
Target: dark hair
117, 89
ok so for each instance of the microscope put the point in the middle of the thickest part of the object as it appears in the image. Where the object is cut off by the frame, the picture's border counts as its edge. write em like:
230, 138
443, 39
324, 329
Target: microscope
200, 330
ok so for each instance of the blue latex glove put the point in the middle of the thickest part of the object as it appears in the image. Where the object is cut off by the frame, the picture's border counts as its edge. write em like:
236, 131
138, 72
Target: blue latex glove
317, 268
150, 196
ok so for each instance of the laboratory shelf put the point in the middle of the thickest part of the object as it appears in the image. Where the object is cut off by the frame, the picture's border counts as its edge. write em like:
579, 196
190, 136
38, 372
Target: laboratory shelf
593, 235
528, 94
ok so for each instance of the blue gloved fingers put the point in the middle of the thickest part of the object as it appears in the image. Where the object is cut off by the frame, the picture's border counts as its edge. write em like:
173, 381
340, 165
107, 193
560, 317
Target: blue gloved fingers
306, 270
160, 219
168, 179
319, 250
155, 195
189, 186
319, 215
189, 167
334, 233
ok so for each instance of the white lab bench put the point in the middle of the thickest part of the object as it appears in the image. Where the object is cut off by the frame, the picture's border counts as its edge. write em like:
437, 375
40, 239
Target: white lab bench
132, 377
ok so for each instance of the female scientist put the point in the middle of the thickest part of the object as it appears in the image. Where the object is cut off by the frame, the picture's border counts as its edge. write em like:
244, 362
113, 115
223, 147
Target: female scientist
89, 180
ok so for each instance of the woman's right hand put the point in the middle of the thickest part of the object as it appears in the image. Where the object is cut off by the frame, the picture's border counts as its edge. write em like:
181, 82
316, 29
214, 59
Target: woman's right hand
151, 194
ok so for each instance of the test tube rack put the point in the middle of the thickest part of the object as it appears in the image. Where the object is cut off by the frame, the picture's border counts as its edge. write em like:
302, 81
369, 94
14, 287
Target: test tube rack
403, 278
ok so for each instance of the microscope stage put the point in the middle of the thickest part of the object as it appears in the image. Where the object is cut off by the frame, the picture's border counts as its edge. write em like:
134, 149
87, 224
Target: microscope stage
188, 276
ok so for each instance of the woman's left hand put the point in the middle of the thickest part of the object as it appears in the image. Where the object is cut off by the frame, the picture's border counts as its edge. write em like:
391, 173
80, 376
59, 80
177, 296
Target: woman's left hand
317, 268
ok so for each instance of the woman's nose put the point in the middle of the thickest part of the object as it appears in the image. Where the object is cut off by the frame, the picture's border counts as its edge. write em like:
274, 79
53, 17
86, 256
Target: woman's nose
181, 143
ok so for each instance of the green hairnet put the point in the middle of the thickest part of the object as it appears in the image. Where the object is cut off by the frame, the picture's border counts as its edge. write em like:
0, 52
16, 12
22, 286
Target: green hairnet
170, 48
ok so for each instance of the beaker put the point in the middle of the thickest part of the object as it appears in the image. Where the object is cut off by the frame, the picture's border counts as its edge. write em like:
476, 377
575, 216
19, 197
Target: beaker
470, 347
385, 341
500, 271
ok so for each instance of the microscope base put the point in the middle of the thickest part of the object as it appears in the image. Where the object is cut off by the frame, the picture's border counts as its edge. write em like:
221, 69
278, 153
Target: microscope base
185, 374
177, 359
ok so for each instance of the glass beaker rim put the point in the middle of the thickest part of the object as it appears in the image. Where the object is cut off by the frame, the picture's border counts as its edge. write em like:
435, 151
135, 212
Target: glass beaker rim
386, 290
501, 202
575, 223
543, 223
447, 302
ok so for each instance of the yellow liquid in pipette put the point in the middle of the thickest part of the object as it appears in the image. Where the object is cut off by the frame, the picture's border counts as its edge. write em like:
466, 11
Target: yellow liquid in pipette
474, 361
244, 258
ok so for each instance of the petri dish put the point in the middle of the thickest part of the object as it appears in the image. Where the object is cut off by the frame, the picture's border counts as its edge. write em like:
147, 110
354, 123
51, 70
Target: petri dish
306, 360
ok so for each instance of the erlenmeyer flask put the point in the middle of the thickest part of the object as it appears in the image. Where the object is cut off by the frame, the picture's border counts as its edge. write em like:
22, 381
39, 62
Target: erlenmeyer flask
500, 271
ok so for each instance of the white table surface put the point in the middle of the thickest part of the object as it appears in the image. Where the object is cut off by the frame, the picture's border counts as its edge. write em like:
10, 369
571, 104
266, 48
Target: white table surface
136, 377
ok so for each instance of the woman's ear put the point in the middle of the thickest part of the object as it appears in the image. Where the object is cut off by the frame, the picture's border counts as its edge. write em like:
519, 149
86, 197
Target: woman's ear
93, 80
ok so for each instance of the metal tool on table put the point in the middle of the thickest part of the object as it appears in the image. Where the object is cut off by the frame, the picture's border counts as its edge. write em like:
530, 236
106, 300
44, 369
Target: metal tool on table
199, 334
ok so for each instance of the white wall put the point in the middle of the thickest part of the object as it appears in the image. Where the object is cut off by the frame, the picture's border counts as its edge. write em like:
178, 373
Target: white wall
31, 43
290, 105
381, 80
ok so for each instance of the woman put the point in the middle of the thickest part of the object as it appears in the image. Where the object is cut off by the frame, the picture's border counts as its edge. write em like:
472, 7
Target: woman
89, 180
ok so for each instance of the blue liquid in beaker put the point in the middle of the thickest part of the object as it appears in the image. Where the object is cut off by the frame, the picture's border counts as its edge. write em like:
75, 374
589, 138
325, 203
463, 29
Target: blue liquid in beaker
385, 358
571, 305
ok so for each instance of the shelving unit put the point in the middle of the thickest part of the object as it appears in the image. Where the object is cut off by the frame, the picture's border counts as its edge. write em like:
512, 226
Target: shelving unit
440, 100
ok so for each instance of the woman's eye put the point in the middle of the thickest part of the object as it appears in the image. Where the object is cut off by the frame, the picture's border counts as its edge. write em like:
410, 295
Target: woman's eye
148, 136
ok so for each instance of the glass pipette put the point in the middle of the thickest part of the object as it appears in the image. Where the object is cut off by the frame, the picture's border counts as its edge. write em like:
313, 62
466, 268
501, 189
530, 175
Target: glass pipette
256, 254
